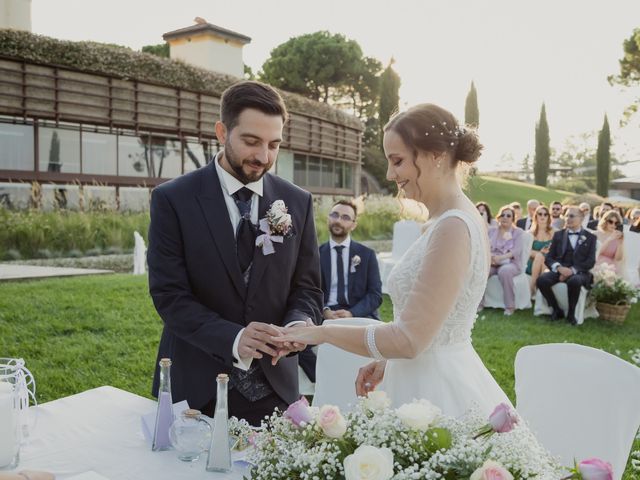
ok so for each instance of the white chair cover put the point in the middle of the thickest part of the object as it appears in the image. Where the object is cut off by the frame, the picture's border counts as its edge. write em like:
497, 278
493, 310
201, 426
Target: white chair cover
560, 291
139, 255
580, 402
405, 232
493, 296
631, 256
337, 370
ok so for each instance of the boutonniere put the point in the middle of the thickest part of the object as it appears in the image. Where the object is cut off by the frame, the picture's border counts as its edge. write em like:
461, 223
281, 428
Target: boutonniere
355, 261
276, 226
582, 239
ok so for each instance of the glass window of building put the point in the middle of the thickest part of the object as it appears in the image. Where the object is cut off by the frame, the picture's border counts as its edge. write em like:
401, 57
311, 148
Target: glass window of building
99, 153
313, 172
59, 150
328, 179
134, 157
347, 179
167, 157
300, 170
195, 154
16, 147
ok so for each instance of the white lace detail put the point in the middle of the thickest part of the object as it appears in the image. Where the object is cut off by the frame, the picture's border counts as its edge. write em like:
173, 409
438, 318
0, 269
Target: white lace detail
458, 325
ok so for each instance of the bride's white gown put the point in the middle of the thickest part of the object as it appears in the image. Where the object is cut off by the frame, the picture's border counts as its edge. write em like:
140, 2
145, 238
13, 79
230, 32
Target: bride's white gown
449, 373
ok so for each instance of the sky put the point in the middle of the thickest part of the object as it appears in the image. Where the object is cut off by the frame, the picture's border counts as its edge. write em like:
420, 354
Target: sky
519, 54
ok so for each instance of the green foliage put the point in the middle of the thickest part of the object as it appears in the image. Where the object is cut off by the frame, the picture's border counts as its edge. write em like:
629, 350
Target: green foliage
122, 62
603, 157
576, 185
629, 68
375, 163
389, 95
543, 150
160, 50
471, 110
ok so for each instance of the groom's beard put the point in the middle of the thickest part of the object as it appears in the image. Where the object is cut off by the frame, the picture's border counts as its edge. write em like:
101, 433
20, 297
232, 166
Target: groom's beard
236, 165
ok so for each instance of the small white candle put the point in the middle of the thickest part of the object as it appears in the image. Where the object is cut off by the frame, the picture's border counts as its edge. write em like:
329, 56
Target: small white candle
8, 425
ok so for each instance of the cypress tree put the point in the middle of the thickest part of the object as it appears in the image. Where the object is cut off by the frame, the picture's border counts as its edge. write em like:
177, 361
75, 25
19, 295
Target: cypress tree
603, 159
471, 111
543, 150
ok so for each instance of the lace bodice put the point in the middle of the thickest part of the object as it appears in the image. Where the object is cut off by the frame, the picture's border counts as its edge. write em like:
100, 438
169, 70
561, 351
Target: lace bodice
459, 323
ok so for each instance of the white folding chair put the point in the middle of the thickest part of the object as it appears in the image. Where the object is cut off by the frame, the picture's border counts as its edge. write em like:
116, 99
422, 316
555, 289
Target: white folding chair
580, 402
562, 296
405, 232
631, 256
494, 296
337, 370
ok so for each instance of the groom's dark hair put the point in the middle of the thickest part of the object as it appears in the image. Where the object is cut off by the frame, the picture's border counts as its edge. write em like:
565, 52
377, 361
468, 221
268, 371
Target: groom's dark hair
250, 94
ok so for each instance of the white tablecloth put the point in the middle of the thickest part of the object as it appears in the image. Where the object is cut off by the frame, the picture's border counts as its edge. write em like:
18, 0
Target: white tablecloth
100, 430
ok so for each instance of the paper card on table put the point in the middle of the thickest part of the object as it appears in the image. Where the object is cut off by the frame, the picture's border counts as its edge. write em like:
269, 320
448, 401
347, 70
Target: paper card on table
149, 420
90, 475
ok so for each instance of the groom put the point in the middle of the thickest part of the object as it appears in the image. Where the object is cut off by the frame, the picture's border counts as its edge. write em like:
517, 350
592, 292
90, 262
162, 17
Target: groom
221, 297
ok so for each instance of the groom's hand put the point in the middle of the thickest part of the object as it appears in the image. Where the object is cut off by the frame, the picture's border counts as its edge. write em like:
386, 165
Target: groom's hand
255, 340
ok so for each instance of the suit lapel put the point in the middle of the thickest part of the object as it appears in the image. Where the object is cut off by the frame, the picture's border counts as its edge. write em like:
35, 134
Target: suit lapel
214, 209
325, 266
565, 241
260, 261
353, 250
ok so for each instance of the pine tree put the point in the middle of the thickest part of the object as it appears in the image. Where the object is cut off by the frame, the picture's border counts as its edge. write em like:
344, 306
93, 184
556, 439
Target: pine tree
543, 150
471, 111
389, 95
603, 159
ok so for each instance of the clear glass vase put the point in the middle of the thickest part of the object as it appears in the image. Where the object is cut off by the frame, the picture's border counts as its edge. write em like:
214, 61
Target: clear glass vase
190, 435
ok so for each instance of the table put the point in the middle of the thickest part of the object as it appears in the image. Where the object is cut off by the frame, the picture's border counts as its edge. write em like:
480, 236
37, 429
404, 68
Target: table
101, 430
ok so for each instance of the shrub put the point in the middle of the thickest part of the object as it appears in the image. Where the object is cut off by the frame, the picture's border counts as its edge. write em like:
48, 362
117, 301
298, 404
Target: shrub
12, 254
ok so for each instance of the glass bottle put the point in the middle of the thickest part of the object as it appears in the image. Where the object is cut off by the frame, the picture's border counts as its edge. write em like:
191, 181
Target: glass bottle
219, 459
164, 416
190, 435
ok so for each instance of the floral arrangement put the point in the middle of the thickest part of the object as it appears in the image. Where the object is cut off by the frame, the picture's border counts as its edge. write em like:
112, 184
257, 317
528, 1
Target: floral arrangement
414, 441
610, 288
276, 225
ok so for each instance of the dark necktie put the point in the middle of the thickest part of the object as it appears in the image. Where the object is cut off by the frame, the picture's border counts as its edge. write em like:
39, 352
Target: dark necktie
245, 235
342, 300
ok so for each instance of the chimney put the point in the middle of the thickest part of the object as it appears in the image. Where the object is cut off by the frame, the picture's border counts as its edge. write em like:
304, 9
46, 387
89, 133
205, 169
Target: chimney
208, 46
15, 14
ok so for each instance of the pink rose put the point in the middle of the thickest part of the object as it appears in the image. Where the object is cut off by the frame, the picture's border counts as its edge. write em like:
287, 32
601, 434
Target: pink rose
503, 418
331, 421
299, 412
595, 469
491, 470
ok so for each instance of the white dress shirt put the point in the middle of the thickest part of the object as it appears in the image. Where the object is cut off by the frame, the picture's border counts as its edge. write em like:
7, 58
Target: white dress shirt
333, 286
231, 185
586, 220
527, 223
574, 241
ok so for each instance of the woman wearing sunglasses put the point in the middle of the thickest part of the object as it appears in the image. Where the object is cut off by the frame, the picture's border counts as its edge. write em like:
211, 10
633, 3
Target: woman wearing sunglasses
610, 241
542, 235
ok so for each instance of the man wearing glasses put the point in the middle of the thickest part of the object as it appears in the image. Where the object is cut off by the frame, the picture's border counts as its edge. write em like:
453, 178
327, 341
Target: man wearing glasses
571, 256
557, 222
350, 275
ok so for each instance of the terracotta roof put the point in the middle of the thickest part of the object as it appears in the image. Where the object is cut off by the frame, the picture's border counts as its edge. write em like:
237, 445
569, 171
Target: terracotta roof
206, 28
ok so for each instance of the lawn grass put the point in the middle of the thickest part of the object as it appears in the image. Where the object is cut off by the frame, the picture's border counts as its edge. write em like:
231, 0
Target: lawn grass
84, 332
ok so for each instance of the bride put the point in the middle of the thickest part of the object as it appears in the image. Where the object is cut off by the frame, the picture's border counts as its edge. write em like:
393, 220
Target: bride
436, 287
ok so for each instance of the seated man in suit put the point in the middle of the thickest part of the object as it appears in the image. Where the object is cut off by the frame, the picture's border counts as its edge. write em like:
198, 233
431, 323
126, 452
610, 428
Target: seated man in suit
350, 275
525, 223
571, 256
604, 208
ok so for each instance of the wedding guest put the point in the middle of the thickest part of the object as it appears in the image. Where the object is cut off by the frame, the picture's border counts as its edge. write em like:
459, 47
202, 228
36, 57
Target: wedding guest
585, 208
602, 209
635, 226
571, 256
622, 213
506, 252
557, 222
485, 212
525, 223
542, 235
633, 214
517, 210
350, 275
610, 239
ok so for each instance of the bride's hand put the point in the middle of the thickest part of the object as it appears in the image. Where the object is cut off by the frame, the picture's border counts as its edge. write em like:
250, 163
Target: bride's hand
308, 335
369, 377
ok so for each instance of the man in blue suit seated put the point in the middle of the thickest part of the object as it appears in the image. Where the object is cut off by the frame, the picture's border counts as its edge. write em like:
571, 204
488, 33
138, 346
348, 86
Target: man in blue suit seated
350, 276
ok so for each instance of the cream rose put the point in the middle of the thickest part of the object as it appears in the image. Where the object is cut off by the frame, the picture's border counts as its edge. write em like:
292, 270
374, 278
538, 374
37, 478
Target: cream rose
377, 400
491, 470
369, 463
331, 421
418, 415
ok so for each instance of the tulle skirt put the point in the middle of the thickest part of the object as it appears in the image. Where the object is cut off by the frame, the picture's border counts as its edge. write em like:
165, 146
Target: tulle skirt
451, 377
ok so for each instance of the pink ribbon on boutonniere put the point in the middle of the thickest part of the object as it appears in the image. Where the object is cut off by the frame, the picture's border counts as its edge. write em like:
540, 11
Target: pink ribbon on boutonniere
266, 240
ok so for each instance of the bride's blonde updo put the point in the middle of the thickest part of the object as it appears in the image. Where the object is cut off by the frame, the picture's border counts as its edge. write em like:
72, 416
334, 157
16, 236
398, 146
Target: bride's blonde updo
429, 128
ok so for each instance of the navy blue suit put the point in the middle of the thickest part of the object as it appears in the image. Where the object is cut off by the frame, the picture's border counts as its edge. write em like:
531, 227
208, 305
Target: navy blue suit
198, 289
364, 291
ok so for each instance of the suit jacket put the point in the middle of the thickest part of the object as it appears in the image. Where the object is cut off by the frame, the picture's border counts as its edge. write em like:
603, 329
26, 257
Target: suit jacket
199, 291
584, 255
522, 223
593, 224
365, 287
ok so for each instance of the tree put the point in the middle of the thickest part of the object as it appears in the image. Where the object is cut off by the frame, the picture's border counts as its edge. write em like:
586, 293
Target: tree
543, 150
389, 95
54, 154
629, 67
471, 111
603, 159
160, 50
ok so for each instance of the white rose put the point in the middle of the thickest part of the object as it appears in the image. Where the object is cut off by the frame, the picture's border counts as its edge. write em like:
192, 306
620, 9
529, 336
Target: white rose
331, 421
369, 463
278, 207
418, 415
491, 470
377, 400
284, 220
